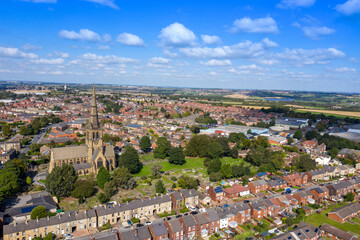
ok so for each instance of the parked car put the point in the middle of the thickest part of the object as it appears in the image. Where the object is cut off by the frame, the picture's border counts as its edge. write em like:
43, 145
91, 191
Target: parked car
67, 236
129, 222
192, 209
148, 223
178, 216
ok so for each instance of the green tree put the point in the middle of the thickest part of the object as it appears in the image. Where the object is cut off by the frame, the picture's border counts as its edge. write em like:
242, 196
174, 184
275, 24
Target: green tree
298, 134
159, 186
6, 130
290, 140
312, 134
214, 150
121, 176
244, 144
163, 147
109, 189
333, 152
214, 166
61, 181
234, 153
102, 177
226, 171
38, 212
49, 236
177, 156
304, 163
145, 143
28, 180
197, 146
83, 189
349, 197
187, 182
102, 198
130, 159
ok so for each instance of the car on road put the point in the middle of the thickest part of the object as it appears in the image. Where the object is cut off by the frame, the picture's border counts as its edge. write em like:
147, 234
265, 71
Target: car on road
192, 209
178, 216
148, 223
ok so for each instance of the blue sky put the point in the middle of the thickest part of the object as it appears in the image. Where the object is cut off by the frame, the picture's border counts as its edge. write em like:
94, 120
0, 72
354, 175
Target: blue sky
244, 44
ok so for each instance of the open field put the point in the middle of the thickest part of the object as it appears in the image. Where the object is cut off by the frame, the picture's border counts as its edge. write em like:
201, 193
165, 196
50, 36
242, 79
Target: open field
245, 106
331, 112
237, 96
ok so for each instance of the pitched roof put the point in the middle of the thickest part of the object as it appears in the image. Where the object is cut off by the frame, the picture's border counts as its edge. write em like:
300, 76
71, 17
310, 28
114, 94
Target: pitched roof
341, 234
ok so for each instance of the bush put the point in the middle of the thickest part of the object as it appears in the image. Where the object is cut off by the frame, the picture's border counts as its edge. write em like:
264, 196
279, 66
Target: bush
105, 226
102, 198
184, 210
173, 178
135, 220
38, 212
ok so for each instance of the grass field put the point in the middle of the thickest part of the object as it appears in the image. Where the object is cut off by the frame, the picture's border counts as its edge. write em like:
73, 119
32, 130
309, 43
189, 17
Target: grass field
191, 163
334, 113
319, 219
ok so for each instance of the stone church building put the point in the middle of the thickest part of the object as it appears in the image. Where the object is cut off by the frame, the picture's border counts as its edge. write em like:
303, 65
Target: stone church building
87, 158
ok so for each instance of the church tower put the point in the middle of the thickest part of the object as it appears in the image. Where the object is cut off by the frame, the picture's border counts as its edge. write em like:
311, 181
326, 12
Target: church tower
94, 136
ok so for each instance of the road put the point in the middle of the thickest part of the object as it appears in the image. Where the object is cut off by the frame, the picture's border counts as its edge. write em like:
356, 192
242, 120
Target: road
36, 139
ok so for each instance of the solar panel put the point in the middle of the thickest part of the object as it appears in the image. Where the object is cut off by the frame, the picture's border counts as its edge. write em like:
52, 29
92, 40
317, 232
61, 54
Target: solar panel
27, 209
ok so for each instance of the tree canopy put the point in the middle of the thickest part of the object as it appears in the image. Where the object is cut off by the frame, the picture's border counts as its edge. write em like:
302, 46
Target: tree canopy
38, 212
177, 156
102, 177
61, 181
130, 159
145, 143
163, 147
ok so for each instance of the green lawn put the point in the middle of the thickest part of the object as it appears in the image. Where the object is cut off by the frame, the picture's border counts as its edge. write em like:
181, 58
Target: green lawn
191, 163
319, 219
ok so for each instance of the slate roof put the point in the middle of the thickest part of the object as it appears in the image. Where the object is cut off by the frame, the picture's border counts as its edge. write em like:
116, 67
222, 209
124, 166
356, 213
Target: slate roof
212, 215
347, 210
202, 218
159, 229
175, 225
189, 220
304, 231
341, 234
136, 234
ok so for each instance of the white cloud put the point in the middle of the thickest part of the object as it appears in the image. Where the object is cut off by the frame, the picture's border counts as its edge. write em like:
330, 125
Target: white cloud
350, 7
308, 57
268, 61
103, 47
170, 54
106, 59
295, 3
212, 73
245, 49
177, 35
60, 54
108, 3
343, 70
207, 39
247, 69
48, 61
28, 47
107, 37
160, 60
316, 32
15, 53
130, 39
83, 34
218, 63
257, 25
269, 44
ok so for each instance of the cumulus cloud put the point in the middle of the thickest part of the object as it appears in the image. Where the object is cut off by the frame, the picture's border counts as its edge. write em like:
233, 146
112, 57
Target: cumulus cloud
160, 60
177, 35
106, 59
316, 32
295, 3
83, 34
48, 61
245, 49
108, 3
257, 25
29, 47
308, 57
207, 39
269, 44
247, 69
350, 7
130, 40
15, 53
218, 63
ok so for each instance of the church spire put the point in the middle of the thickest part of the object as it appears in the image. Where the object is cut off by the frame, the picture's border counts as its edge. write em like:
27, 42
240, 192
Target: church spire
94, 121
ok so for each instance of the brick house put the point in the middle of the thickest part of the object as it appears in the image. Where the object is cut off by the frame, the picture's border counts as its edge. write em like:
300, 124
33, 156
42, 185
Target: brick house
175, 229
258, 209
296, 179
216, 194
277, 183
189, 225
341, 214
320, 193
334, 233
341, 188
158, 231
141, 233
303, 197
214, 221
236, 190
176, 200
203, 223
243, 212
258, 186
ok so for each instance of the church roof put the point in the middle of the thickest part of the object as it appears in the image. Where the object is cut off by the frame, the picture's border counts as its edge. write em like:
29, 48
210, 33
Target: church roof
70, 152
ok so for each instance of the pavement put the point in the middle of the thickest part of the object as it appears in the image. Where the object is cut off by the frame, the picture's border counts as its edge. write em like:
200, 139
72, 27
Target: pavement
36, 139
38, 177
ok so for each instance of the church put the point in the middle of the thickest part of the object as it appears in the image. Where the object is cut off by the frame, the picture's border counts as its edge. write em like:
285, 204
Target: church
89, 157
